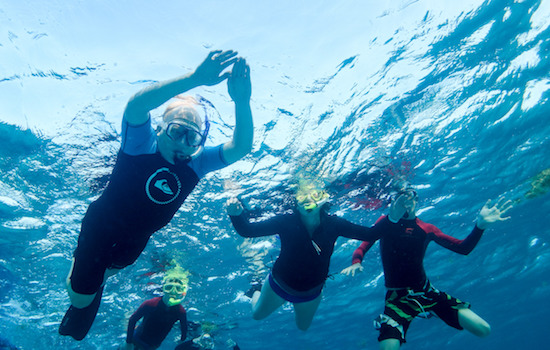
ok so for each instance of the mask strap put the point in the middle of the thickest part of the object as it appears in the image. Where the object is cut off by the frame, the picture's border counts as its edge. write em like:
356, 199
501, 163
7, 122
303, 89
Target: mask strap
203, 102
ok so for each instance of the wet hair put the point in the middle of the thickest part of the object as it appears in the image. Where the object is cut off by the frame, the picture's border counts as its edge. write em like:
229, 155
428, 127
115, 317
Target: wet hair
184, 107
176, 275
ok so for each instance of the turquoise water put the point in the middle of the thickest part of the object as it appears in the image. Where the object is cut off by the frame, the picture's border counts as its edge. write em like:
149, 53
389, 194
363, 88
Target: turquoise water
451, 95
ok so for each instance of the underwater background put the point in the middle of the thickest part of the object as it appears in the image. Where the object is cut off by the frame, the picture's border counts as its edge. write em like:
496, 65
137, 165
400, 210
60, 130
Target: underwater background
452, 96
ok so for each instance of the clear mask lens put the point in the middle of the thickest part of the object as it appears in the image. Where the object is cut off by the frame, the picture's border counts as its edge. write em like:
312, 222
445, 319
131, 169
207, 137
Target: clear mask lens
315, 196
173, 287
180, 132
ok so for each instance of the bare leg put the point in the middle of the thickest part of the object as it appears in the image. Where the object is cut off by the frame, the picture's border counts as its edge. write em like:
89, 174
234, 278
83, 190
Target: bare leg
304, 313
264, 303
470, 321
78, 300
390, 344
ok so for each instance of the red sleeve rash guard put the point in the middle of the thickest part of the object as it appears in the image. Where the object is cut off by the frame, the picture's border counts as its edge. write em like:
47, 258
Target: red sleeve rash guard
403, 247
158, 320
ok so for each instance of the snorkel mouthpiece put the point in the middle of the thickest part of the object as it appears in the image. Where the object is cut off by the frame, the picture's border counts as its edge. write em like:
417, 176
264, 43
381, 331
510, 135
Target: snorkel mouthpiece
173, 301
310, 206
175, 284
310, 198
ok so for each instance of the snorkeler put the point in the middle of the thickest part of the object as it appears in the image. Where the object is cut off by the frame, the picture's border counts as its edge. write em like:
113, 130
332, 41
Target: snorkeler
159, 315
403, 242
308, 236
154, 173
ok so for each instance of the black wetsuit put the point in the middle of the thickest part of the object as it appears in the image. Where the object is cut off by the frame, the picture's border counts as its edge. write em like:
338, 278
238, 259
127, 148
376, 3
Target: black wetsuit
303, 263
158, 319
143, 194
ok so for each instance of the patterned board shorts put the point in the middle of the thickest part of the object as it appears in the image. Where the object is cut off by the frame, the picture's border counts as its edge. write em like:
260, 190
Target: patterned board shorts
403, 305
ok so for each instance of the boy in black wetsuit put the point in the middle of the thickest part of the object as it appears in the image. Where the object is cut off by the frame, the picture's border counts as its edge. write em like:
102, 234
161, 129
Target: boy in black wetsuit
154, 173
403, 242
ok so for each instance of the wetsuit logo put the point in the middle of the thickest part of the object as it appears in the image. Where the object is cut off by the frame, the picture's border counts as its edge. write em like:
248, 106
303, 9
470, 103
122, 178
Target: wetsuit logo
163, 186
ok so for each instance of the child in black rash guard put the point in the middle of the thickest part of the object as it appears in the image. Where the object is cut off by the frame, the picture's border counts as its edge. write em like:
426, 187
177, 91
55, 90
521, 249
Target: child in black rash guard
307, 238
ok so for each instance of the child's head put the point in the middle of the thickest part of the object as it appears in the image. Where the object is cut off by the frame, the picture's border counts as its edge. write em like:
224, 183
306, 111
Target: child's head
174, 285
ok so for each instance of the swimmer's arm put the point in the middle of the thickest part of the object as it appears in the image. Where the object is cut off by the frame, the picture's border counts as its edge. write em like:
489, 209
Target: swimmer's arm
362, 233
183, 326
209, 72
460, 246
240, 89
357, 258
359, 253
245, 228
136, 316
248, 229
488, 215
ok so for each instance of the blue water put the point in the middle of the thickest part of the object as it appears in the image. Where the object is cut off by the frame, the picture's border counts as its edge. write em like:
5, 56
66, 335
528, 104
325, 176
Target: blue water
452, 96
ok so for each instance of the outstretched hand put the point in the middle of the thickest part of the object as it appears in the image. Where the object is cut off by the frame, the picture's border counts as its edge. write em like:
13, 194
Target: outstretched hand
238, 84
234, 207
350, 270
493, 213
209, 72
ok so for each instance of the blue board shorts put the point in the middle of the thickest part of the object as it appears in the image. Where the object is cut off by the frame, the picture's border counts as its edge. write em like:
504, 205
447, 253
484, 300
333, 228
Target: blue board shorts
289, 296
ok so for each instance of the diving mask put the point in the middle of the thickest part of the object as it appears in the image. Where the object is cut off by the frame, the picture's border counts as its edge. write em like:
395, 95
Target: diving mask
175, 292
183, 131
312, 199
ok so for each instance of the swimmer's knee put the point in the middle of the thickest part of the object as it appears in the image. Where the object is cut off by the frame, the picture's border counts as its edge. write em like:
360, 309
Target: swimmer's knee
470, 321
389, 344
483, 330
78, 300
258, 315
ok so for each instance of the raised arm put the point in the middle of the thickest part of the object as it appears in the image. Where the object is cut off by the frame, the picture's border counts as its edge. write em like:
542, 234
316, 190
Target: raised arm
244, 227
488, 215
460, 246
209, 72
493, 213
240, 90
